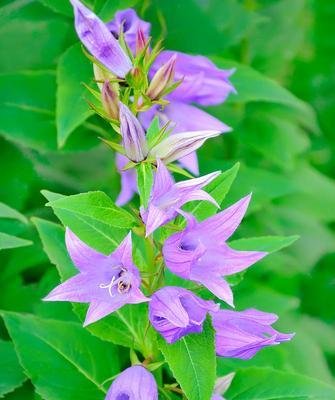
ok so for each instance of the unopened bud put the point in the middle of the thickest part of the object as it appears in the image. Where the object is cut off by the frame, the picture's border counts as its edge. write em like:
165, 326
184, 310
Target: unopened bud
136, 78
162, 79
110, 100
133, 135
101, 75
141, 41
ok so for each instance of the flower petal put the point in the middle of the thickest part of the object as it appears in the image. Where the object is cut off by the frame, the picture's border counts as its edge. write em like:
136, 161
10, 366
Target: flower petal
222, 225
99, 41
83, 257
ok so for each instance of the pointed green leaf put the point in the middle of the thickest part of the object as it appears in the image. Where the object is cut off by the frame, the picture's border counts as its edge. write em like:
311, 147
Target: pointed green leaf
269, 244
10, 242
192, 362
144, 182
9, 212
62, 359
11, 373
72, 109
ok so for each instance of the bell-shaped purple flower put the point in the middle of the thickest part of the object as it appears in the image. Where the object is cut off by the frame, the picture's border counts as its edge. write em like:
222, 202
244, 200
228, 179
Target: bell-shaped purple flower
175, 312
167, 197
200, 252
133, 135
203, 82
99, 41
242, 334
134, 383
106, 282
129, 22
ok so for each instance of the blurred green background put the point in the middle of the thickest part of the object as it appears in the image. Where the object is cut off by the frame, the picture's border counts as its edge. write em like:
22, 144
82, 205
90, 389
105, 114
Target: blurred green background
283, 135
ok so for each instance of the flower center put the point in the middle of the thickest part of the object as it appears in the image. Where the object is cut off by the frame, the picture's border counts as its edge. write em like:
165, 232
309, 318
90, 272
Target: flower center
121, 282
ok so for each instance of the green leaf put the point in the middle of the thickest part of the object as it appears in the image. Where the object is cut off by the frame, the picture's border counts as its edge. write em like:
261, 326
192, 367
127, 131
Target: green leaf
62, 359
30, 22
10, 242
60, 6
127, 327
72, 110
270, 384
192, 362
144, 182
9, 212
27, 114
94, 218
218, 190
11, 374
153, 131
252, 86
269, 244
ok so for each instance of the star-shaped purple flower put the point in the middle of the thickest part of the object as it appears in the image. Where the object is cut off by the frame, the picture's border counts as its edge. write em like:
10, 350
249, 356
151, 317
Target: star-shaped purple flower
200, 252
106, 282
242, 334
175, 312
167, 197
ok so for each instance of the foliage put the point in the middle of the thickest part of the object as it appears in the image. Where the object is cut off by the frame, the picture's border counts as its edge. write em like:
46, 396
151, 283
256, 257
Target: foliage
281, 148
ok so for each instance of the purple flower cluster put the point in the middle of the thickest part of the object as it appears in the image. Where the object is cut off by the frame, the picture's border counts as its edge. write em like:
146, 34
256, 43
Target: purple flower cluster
199, 252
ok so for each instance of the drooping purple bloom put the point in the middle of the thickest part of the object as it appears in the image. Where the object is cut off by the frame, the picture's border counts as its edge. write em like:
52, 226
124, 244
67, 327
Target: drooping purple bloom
175, 312
134, 383
133, 135
242, 334
129, 22
200, 252
167, 197
128, 180
99, 41
203, 82
106, 282
222, 385
184, 118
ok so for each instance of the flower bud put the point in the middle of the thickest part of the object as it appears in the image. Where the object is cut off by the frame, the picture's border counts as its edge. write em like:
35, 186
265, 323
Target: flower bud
133, 135
141, 41
110, 100
162, 79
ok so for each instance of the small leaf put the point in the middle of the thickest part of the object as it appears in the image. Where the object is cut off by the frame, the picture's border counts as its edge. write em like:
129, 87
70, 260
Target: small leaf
94, 217
9, 212
193, 363
10, 242
11, 373
144, 182
71, 109
269, 244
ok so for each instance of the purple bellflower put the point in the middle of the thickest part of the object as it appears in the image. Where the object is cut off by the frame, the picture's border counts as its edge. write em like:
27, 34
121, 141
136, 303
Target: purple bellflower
106, 282
203, 82
130, 24
167, 197
200, 252
242, 334
134, 383
99, 41
133, 135
175, 312
222, 385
